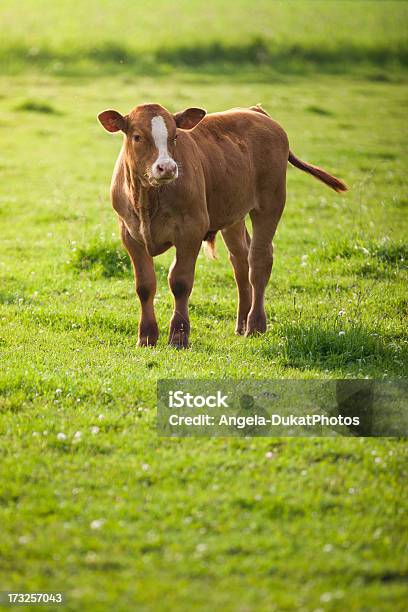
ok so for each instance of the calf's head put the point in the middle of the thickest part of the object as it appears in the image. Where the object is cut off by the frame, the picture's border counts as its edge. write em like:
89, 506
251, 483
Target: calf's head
150, 139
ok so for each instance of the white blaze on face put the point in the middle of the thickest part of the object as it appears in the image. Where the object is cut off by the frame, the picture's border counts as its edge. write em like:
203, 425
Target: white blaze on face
164, 163
160, 135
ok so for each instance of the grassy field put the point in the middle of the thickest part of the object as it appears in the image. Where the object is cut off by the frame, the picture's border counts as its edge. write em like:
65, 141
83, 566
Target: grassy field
92, 502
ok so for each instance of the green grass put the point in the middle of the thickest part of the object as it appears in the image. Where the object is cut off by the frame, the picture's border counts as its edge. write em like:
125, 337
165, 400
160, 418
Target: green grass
242, 524
285, 36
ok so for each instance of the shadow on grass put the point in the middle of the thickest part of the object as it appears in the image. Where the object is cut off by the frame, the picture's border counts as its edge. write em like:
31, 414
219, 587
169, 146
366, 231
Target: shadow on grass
328, 346
37, 106
215, 56
261, 51
318, 110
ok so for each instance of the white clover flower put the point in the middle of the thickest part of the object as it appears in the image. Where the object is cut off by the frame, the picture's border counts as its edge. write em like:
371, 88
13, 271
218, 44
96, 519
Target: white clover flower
200, 548
97, 523
326, 597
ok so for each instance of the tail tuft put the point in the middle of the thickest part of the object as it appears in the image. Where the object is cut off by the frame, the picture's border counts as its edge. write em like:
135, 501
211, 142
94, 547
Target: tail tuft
318, 173
209, 245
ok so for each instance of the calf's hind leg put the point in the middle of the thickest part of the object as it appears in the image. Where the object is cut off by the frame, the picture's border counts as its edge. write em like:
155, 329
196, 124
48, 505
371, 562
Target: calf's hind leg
237, 240
265, 220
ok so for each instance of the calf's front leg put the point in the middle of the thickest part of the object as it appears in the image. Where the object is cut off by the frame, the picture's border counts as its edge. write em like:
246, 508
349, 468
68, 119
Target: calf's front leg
181, 278
145, 281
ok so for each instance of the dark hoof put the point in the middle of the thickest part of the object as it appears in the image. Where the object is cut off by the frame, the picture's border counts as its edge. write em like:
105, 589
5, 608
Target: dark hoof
148, 334
255, 326
146, 341
250, 333
241, 323
178, 340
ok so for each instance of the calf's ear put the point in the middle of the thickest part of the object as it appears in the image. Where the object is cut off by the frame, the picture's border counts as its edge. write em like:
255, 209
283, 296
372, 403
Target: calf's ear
112, 121
187, 119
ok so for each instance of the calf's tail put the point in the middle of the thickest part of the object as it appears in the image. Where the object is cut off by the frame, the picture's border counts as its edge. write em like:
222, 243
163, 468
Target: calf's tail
318, 173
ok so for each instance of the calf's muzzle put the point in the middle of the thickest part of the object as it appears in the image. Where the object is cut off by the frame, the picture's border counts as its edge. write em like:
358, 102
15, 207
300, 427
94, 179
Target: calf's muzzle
165, 170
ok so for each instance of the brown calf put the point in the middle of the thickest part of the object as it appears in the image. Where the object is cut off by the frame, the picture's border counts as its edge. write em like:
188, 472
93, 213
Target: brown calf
181, 178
